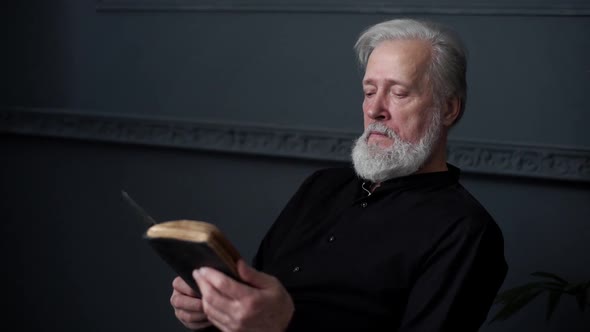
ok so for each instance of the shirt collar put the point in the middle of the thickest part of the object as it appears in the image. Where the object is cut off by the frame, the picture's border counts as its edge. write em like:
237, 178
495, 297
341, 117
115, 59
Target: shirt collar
451, 175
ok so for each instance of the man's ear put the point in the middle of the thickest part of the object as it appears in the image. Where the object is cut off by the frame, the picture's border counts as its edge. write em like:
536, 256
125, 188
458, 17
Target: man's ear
451, 111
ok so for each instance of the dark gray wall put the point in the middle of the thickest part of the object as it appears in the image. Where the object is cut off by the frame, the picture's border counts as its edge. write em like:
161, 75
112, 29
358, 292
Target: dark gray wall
242, 100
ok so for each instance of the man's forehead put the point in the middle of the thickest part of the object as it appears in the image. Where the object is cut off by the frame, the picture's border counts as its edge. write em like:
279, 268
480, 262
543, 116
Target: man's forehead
395, 60
407, 49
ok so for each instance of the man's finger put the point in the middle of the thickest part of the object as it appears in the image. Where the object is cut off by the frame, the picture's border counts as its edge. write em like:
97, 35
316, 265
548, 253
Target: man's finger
192, 321
181, 286
227, 286
211, 295
219, 318
188, 303
253, 277
215, 304
188, 317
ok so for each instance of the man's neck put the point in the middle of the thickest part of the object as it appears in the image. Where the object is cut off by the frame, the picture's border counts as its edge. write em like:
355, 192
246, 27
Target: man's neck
437, 162
374, 186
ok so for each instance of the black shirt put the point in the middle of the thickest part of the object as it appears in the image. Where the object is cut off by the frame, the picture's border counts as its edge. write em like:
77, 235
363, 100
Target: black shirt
418, 254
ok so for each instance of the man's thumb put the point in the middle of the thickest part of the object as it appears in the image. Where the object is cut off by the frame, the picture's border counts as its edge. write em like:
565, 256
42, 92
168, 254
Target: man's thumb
253, 277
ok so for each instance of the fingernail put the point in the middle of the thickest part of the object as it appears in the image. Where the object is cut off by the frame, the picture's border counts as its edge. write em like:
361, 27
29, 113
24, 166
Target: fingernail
196, 273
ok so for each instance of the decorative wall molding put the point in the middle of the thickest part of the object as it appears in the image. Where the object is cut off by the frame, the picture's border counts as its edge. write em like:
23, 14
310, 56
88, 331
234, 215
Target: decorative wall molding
472, 157
462, 7
521, 160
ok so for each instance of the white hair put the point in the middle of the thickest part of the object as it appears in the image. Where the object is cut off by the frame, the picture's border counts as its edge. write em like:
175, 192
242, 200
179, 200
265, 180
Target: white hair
448, 65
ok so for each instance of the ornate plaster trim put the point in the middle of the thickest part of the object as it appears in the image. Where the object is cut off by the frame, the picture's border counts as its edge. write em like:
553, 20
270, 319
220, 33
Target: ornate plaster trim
481, 7
546, 162
521, 160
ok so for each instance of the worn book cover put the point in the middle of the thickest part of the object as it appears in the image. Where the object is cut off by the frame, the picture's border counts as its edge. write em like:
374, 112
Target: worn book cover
186, 245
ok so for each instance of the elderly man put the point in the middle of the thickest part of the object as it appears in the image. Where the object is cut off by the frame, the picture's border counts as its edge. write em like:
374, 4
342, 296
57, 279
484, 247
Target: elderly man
393, 244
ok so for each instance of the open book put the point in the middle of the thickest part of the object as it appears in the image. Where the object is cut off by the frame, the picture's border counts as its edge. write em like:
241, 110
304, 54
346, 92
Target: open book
186, 245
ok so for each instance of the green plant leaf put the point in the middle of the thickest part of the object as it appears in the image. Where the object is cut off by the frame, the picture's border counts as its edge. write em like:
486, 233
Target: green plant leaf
552, 285
515, 304
553, 299
509, 294
514, 299
575, 289
549, 275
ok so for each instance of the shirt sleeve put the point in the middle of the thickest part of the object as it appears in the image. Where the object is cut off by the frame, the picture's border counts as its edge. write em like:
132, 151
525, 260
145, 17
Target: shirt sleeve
459, 280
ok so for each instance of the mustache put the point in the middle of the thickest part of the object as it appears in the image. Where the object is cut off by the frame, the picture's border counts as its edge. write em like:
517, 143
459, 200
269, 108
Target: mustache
377, 127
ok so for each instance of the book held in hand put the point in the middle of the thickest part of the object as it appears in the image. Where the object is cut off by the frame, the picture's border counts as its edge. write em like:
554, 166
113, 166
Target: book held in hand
186, 245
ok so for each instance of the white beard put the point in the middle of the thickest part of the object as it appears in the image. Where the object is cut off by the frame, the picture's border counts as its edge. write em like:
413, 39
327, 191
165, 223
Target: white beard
402, 158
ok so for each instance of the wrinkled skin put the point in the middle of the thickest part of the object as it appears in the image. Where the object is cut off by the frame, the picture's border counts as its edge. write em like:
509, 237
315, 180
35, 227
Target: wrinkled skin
260, 303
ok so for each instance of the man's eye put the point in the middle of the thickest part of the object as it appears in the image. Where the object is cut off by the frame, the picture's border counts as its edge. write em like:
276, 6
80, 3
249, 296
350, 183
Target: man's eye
369, 93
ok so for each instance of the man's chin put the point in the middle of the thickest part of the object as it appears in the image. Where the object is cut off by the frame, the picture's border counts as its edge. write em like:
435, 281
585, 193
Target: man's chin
379, 141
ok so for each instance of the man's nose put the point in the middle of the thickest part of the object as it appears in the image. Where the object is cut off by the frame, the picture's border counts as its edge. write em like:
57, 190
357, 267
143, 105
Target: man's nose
378, 110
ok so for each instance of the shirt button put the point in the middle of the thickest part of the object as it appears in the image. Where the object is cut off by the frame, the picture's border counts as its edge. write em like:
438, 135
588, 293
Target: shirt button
331, 238
364, 204
296, 269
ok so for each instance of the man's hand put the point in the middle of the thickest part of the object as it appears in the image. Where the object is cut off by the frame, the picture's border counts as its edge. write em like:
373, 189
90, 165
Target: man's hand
261, 304
187, 307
